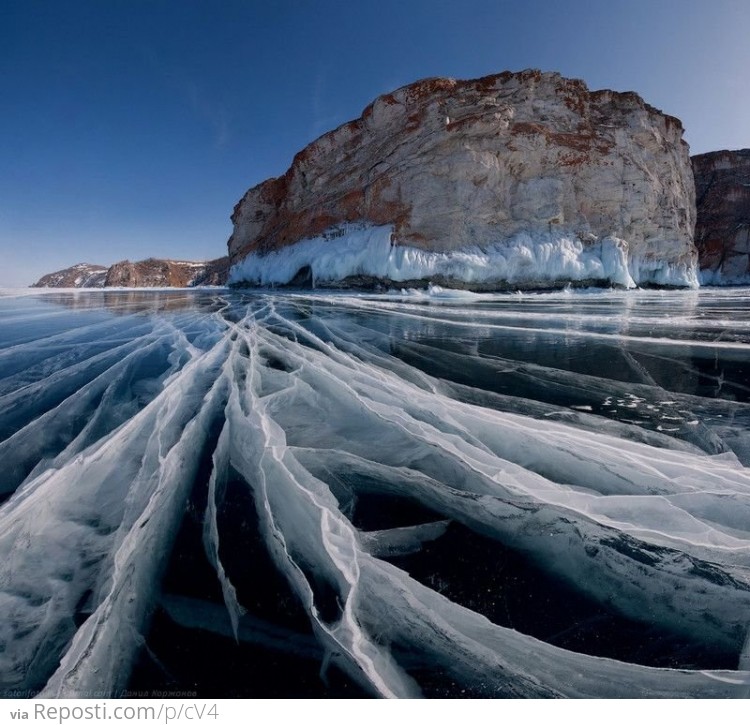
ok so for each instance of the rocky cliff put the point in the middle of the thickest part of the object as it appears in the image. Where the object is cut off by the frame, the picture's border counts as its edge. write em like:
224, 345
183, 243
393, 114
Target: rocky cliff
79, 275
146, 273
722, 230
166, 273
518, 179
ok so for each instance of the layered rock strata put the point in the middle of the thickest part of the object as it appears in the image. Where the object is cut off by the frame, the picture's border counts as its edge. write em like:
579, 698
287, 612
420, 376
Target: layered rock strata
145, 273
517, 179
722, 231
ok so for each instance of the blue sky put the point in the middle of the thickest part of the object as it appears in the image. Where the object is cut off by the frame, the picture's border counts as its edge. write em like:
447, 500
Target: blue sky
130, 128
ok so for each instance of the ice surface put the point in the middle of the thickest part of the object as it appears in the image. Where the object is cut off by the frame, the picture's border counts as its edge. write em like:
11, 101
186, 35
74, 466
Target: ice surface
540, 258
599, 440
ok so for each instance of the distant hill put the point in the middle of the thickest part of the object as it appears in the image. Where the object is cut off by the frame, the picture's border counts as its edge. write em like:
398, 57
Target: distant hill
79, 275
145, 273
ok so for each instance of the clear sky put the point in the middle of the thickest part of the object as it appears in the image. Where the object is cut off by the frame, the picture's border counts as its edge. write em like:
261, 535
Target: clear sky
130, 128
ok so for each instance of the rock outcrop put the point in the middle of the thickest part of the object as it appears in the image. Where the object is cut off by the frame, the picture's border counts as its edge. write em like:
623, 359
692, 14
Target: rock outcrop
79, 275
214, 273
165, 273
146, 273
516, 179
722, 230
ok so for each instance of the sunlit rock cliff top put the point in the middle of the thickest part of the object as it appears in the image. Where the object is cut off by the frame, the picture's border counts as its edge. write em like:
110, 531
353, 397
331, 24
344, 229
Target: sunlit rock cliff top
514, 180
722, 232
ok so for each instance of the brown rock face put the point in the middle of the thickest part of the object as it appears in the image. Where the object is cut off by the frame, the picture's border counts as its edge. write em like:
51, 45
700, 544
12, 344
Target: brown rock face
164, 273
456, 164
722, 230
146, 273
214, 273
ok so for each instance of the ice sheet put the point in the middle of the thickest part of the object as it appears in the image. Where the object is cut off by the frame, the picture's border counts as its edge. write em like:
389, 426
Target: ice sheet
318, 404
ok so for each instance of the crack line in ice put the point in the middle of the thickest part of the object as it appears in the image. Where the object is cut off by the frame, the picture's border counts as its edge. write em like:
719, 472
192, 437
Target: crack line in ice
315, 411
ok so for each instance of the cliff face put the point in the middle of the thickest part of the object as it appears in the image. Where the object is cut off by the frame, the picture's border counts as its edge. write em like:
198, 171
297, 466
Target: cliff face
146, 273
497, 166
722, 231
79, 275
164, 273
214, 273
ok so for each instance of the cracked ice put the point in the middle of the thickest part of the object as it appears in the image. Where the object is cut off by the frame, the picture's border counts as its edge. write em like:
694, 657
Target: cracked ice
417, 494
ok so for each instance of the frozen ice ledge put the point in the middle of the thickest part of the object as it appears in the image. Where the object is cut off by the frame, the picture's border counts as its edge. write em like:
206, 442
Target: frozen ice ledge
366, 256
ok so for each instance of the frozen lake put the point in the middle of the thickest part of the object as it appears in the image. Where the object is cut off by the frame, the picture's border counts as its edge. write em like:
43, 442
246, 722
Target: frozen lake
427, 493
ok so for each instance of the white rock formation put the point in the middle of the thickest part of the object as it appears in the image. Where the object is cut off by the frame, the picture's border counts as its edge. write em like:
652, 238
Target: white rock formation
485, 167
